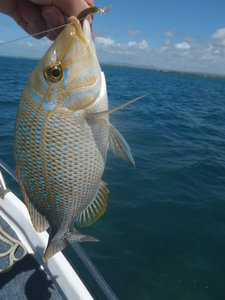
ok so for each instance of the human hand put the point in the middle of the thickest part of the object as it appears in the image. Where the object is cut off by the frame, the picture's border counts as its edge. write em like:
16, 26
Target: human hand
38, 15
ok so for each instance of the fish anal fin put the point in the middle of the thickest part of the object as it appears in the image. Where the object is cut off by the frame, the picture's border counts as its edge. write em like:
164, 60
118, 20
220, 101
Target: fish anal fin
96, 208
119, 145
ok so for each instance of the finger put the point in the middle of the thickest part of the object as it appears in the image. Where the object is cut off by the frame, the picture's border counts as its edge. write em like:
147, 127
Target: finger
53, 18
6, 7
10, 8
31, 14
68, 7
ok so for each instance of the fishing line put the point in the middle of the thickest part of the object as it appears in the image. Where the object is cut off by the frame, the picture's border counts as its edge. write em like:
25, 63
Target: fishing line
81, 17
33, 35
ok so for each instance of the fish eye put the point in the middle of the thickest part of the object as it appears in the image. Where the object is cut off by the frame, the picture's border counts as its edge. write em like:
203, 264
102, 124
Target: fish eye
54, 73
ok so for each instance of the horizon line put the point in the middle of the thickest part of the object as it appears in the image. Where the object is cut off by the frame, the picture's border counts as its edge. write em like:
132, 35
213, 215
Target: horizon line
141, 67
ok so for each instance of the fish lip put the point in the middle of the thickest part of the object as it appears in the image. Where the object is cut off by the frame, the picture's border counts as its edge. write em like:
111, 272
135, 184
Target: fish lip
77, 26
80, 29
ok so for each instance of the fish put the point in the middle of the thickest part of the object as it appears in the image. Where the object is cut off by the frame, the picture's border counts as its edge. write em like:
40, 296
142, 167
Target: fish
62, 135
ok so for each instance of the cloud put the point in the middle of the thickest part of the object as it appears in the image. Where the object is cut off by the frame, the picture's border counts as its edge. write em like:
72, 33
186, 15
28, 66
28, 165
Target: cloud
189, 38
177, 37
170, 33
32, 48
183, 46
140, 45
218, 38
169, 37
131, 44
104, 41
182, 55
143, 44
133, 32
109, 42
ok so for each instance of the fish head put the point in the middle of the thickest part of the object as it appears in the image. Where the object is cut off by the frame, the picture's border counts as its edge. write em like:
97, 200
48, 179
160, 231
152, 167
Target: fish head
69, 74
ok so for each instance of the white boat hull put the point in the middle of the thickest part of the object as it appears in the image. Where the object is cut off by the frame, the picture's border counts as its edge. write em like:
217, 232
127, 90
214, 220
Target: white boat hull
14, 212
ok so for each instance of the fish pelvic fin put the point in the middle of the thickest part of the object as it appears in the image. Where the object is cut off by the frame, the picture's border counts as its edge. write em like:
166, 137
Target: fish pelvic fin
56, 243
119, 145
96, 208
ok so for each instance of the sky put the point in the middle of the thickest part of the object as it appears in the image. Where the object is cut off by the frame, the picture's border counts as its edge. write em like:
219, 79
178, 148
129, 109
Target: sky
184, 35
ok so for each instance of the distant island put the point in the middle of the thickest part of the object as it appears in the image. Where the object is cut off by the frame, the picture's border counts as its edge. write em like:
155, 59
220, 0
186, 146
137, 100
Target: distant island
155, 69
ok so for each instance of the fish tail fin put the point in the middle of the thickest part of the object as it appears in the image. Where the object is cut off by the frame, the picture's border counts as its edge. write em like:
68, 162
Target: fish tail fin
57, 244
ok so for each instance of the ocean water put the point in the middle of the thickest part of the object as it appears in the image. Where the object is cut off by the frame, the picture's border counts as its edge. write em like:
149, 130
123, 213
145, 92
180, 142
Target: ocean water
163, 234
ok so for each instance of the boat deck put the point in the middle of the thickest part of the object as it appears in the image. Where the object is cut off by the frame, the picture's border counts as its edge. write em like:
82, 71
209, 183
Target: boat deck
25, 280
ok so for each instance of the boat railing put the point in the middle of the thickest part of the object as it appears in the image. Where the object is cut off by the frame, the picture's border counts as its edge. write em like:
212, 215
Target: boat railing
107, 291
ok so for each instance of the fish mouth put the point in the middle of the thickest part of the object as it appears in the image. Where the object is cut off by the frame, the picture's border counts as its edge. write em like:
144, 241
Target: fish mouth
82, 30
77, 26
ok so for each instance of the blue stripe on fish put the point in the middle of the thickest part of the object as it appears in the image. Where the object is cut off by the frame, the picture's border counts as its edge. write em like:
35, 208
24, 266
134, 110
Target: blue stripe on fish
65, 78
44, 83
36, 98
54, 96
48, 106
38, 132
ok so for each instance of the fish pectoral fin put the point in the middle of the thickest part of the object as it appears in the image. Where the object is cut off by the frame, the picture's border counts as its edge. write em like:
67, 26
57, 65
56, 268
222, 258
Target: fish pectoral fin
96, 208
119, 145
56, 243
94, 117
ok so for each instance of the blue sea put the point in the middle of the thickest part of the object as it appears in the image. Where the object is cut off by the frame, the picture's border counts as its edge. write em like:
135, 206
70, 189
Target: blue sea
163, 234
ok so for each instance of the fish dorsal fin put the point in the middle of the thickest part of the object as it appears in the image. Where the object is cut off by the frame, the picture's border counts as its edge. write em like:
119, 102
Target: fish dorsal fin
119, 145
96, 208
